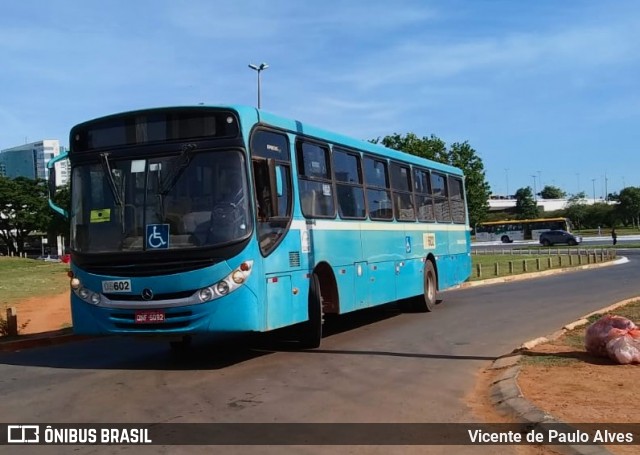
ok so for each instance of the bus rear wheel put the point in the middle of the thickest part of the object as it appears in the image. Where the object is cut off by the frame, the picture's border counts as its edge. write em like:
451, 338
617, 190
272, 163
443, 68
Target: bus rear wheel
311, 331
428, 300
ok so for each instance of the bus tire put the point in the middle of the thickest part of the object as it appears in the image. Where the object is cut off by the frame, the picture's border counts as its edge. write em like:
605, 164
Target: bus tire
505, 239
428, 300
311, 331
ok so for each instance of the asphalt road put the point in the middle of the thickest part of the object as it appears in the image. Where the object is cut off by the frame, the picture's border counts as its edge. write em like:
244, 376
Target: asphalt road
375, 366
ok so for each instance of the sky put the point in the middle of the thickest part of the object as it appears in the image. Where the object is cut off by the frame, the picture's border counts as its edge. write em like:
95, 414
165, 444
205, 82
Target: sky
547, 92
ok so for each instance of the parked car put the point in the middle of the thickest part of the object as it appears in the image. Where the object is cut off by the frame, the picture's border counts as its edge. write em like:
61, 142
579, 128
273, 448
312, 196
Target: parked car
549, 238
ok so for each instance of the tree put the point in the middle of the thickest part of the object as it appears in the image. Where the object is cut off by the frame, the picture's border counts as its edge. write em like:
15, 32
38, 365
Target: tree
629, 205
577, 212
552, 192
526, 206
461, 155
23, 210
431, 148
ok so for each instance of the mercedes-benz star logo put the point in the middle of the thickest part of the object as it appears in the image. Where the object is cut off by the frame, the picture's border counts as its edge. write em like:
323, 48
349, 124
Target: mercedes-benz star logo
147, 294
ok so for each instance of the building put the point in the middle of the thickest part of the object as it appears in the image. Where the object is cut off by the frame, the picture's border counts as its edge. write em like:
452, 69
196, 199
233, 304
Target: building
505, 204
30, 160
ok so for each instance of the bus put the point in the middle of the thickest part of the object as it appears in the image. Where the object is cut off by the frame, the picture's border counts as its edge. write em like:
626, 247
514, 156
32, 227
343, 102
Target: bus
507, 231
229, 219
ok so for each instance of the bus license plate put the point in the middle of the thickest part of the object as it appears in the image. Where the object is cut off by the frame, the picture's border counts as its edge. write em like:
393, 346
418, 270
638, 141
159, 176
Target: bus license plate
150, 317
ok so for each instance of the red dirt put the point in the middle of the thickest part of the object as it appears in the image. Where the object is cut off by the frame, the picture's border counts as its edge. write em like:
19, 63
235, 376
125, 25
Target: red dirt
44, 313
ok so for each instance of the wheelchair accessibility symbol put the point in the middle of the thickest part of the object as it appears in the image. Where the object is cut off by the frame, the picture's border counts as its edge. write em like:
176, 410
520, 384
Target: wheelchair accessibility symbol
157, 236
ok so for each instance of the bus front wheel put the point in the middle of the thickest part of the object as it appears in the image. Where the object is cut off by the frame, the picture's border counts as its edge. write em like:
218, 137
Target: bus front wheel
311, 331
428, 300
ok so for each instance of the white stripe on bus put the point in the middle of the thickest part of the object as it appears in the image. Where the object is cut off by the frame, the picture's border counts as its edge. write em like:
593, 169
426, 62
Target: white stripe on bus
331, 225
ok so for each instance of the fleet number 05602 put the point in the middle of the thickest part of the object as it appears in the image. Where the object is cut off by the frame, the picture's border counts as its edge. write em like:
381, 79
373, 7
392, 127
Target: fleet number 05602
116, 286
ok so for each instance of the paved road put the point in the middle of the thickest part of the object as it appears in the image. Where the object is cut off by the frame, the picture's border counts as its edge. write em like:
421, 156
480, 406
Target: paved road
375, 366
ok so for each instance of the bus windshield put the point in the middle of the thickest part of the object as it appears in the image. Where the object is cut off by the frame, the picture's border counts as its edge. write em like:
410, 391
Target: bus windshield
187, 200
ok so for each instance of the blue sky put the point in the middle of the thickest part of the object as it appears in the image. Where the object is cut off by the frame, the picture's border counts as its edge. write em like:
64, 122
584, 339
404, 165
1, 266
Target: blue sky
540, 88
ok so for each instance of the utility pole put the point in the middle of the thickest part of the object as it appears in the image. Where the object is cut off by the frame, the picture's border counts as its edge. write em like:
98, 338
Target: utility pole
506, 171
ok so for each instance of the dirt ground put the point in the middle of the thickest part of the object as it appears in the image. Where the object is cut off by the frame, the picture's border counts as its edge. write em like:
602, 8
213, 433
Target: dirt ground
589, 390
42, 314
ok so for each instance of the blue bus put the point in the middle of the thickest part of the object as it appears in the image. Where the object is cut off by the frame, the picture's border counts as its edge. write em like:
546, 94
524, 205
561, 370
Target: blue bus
227, 219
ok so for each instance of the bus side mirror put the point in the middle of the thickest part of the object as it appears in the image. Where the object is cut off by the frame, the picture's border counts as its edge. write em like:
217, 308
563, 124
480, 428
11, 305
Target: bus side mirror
53, 184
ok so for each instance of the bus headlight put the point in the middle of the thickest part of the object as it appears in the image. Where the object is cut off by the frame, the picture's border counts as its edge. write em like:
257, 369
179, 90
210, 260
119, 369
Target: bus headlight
206, 294
228, 284
222, 288
85, 294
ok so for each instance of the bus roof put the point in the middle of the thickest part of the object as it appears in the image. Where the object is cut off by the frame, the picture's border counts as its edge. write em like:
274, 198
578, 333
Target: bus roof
298, 127
531, 220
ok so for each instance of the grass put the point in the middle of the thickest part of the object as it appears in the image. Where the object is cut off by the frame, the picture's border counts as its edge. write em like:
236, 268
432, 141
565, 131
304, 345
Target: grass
606, 231
24, 278
574, 339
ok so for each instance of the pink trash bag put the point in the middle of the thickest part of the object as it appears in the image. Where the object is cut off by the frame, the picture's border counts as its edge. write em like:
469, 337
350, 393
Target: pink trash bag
605, 329
625, 349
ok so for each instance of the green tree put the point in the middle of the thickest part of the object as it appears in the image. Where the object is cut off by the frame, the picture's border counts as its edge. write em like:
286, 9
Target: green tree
629, 205
552, 192
577, 212
461, 155
431, 147
526, 206
23, 210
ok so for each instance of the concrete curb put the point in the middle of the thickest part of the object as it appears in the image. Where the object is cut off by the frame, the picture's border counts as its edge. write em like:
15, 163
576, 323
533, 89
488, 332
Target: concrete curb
506, 396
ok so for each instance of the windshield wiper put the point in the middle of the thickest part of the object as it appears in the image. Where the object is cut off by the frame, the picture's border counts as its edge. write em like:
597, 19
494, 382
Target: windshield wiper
112, 184
182, 161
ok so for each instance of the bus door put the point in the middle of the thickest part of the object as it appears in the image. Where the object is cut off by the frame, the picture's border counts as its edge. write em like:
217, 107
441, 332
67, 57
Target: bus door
280, 245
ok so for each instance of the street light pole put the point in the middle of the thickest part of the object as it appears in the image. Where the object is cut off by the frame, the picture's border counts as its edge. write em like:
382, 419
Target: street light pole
593, 181
258, 68
535, 197
506, 170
